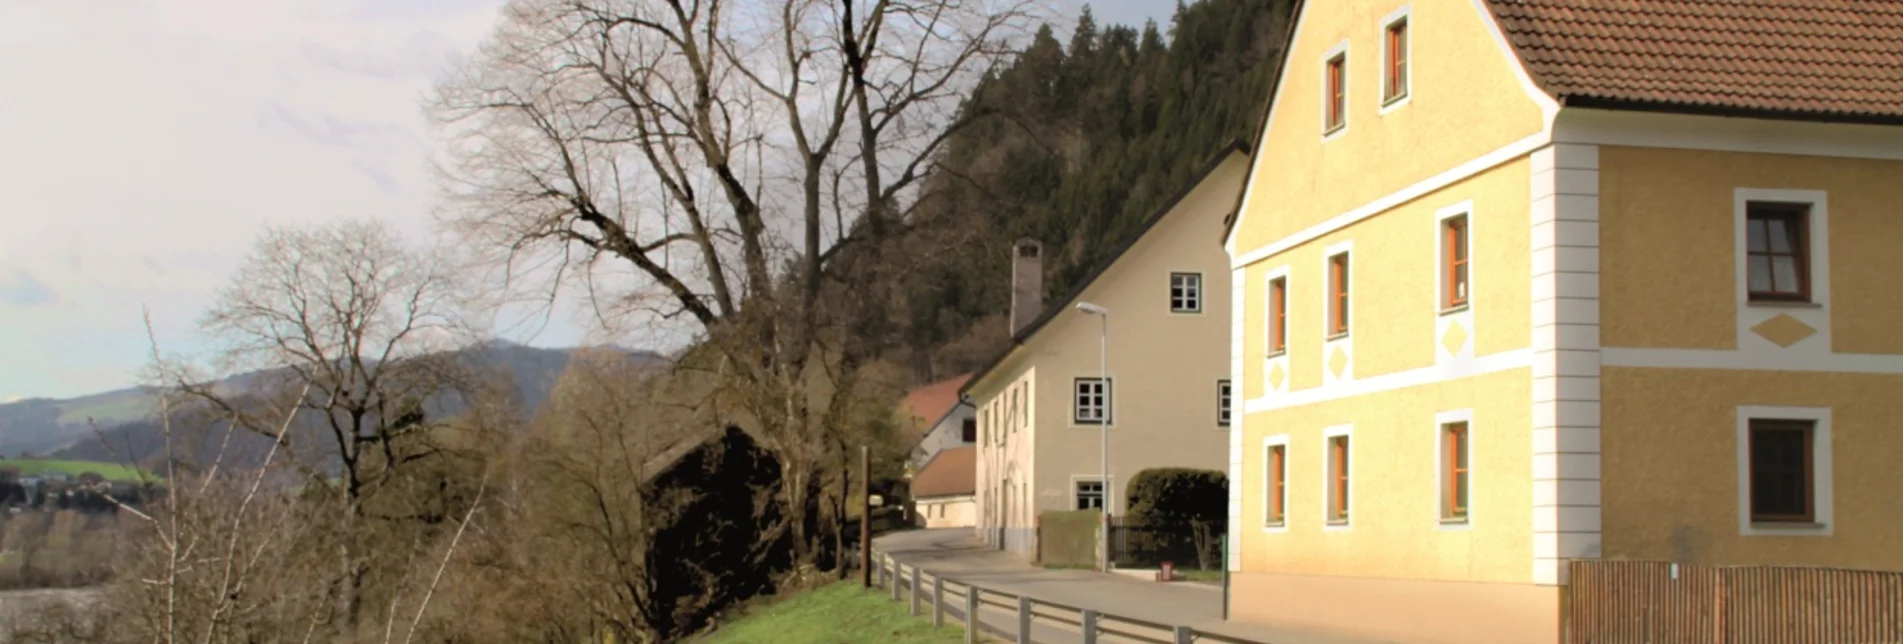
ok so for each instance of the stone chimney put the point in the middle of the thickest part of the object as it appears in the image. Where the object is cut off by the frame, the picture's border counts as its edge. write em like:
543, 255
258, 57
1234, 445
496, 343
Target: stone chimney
1027, 283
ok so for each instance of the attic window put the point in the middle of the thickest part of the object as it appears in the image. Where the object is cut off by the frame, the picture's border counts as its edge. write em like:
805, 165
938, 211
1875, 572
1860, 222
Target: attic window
1335, 110
1394, 74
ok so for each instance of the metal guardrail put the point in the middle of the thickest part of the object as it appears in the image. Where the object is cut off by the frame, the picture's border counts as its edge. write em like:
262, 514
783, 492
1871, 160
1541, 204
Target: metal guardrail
928, 591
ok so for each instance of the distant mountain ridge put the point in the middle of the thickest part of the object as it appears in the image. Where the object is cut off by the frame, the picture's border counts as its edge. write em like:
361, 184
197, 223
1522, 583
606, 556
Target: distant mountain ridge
60, 427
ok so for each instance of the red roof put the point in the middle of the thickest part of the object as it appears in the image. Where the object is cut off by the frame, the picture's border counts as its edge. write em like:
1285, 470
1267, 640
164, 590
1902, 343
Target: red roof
952, 472
929, 403
1838, 60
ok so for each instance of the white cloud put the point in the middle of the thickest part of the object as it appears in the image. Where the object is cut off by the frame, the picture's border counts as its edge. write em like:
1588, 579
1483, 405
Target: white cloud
148, 141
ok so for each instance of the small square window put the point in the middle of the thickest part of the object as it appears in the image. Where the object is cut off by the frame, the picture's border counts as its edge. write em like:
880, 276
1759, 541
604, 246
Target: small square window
1454, 263
1224, 396
1335, 115
1186, 292
1278, 315
1338, 479
1777, 254
1783, 485
1394, 85
1275, 492
1089, 495
1092, 402
1454, 472
1338, 295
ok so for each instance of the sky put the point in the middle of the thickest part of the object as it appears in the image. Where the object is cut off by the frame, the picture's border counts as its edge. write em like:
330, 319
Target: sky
144, 144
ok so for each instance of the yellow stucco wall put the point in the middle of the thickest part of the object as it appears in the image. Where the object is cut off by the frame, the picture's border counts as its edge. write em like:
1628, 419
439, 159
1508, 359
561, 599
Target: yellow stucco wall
1393, 308
1667, 256
1466, 101
1395, 531
1670, 466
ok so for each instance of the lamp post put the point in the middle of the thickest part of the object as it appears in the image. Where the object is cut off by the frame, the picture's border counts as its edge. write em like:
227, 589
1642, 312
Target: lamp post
1103, 357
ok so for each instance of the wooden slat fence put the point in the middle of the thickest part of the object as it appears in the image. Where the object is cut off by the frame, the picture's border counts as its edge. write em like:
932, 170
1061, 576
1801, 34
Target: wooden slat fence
1650, 602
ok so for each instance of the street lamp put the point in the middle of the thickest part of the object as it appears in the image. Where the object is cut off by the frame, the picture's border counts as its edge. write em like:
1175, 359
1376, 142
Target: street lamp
1103, 355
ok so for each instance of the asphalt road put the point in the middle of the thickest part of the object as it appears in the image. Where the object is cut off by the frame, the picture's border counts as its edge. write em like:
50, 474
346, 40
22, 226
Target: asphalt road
959, 555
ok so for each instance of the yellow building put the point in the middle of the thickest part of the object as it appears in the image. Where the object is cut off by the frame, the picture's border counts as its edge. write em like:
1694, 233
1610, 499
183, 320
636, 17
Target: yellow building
1521, 282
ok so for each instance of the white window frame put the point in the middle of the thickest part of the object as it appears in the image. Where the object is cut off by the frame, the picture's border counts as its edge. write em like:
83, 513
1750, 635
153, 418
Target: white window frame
1103, 491
1193, 293
1076, 406
1268, 488
1441, 421
1328, 440
1823, 518
1347, 94
1225, 403
1405, 13
1817, 235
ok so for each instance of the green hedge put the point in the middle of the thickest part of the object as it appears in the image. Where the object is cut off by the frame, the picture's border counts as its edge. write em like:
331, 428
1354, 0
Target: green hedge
1175, 514
1177, 496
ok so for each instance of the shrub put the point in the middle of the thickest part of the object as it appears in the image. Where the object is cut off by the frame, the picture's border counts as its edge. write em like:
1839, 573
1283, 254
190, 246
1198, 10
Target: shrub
1176, 511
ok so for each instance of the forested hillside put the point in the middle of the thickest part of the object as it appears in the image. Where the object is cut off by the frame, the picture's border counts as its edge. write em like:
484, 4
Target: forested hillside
1091, 135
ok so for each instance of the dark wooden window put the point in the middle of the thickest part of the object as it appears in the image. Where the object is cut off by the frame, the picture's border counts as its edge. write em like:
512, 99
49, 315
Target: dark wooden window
1092, 402
1336, 114
1338, 479
1454, 268
1453, 491
1278, 315
1338, 295
1777, 253
1396, 86
1186, 292
969, 431
1225, 400
1782, 481
1090, 495
1278, 481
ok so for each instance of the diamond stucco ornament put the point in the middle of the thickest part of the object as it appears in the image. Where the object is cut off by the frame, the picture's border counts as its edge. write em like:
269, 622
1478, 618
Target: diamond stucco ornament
1338, 362
1276, 376
1454, 338
1783, 330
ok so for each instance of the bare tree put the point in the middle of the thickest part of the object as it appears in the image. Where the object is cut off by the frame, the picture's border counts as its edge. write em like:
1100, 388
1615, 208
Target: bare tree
747, 162
350, 327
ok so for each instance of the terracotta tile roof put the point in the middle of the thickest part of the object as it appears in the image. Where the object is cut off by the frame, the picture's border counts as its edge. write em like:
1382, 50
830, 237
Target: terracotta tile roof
1837, 60
929, 403
953, 472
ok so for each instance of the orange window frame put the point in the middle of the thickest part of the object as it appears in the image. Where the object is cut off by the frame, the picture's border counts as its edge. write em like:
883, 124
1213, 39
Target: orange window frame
1456, 270
1338, 295
1338, 457
1397, 60
1337, 101
1278, 315
1278, 482
1454, 485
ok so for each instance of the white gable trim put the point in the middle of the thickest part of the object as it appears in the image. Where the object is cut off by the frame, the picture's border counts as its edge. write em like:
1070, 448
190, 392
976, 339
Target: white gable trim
1268, 123
1548, 106
1453, 175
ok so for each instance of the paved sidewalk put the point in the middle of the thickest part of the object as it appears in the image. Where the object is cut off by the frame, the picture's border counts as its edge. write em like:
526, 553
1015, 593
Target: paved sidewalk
958, 554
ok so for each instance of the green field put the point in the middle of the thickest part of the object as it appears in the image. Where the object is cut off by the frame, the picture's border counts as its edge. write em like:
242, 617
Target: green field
838, 613
38, 467
107, 409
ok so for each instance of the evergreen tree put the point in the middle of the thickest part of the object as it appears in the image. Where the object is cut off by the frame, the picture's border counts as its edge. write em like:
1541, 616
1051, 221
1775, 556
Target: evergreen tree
1088, 141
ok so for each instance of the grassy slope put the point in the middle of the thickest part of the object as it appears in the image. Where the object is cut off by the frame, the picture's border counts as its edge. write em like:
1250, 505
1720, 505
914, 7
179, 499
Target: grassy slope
36, 467
841, 612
